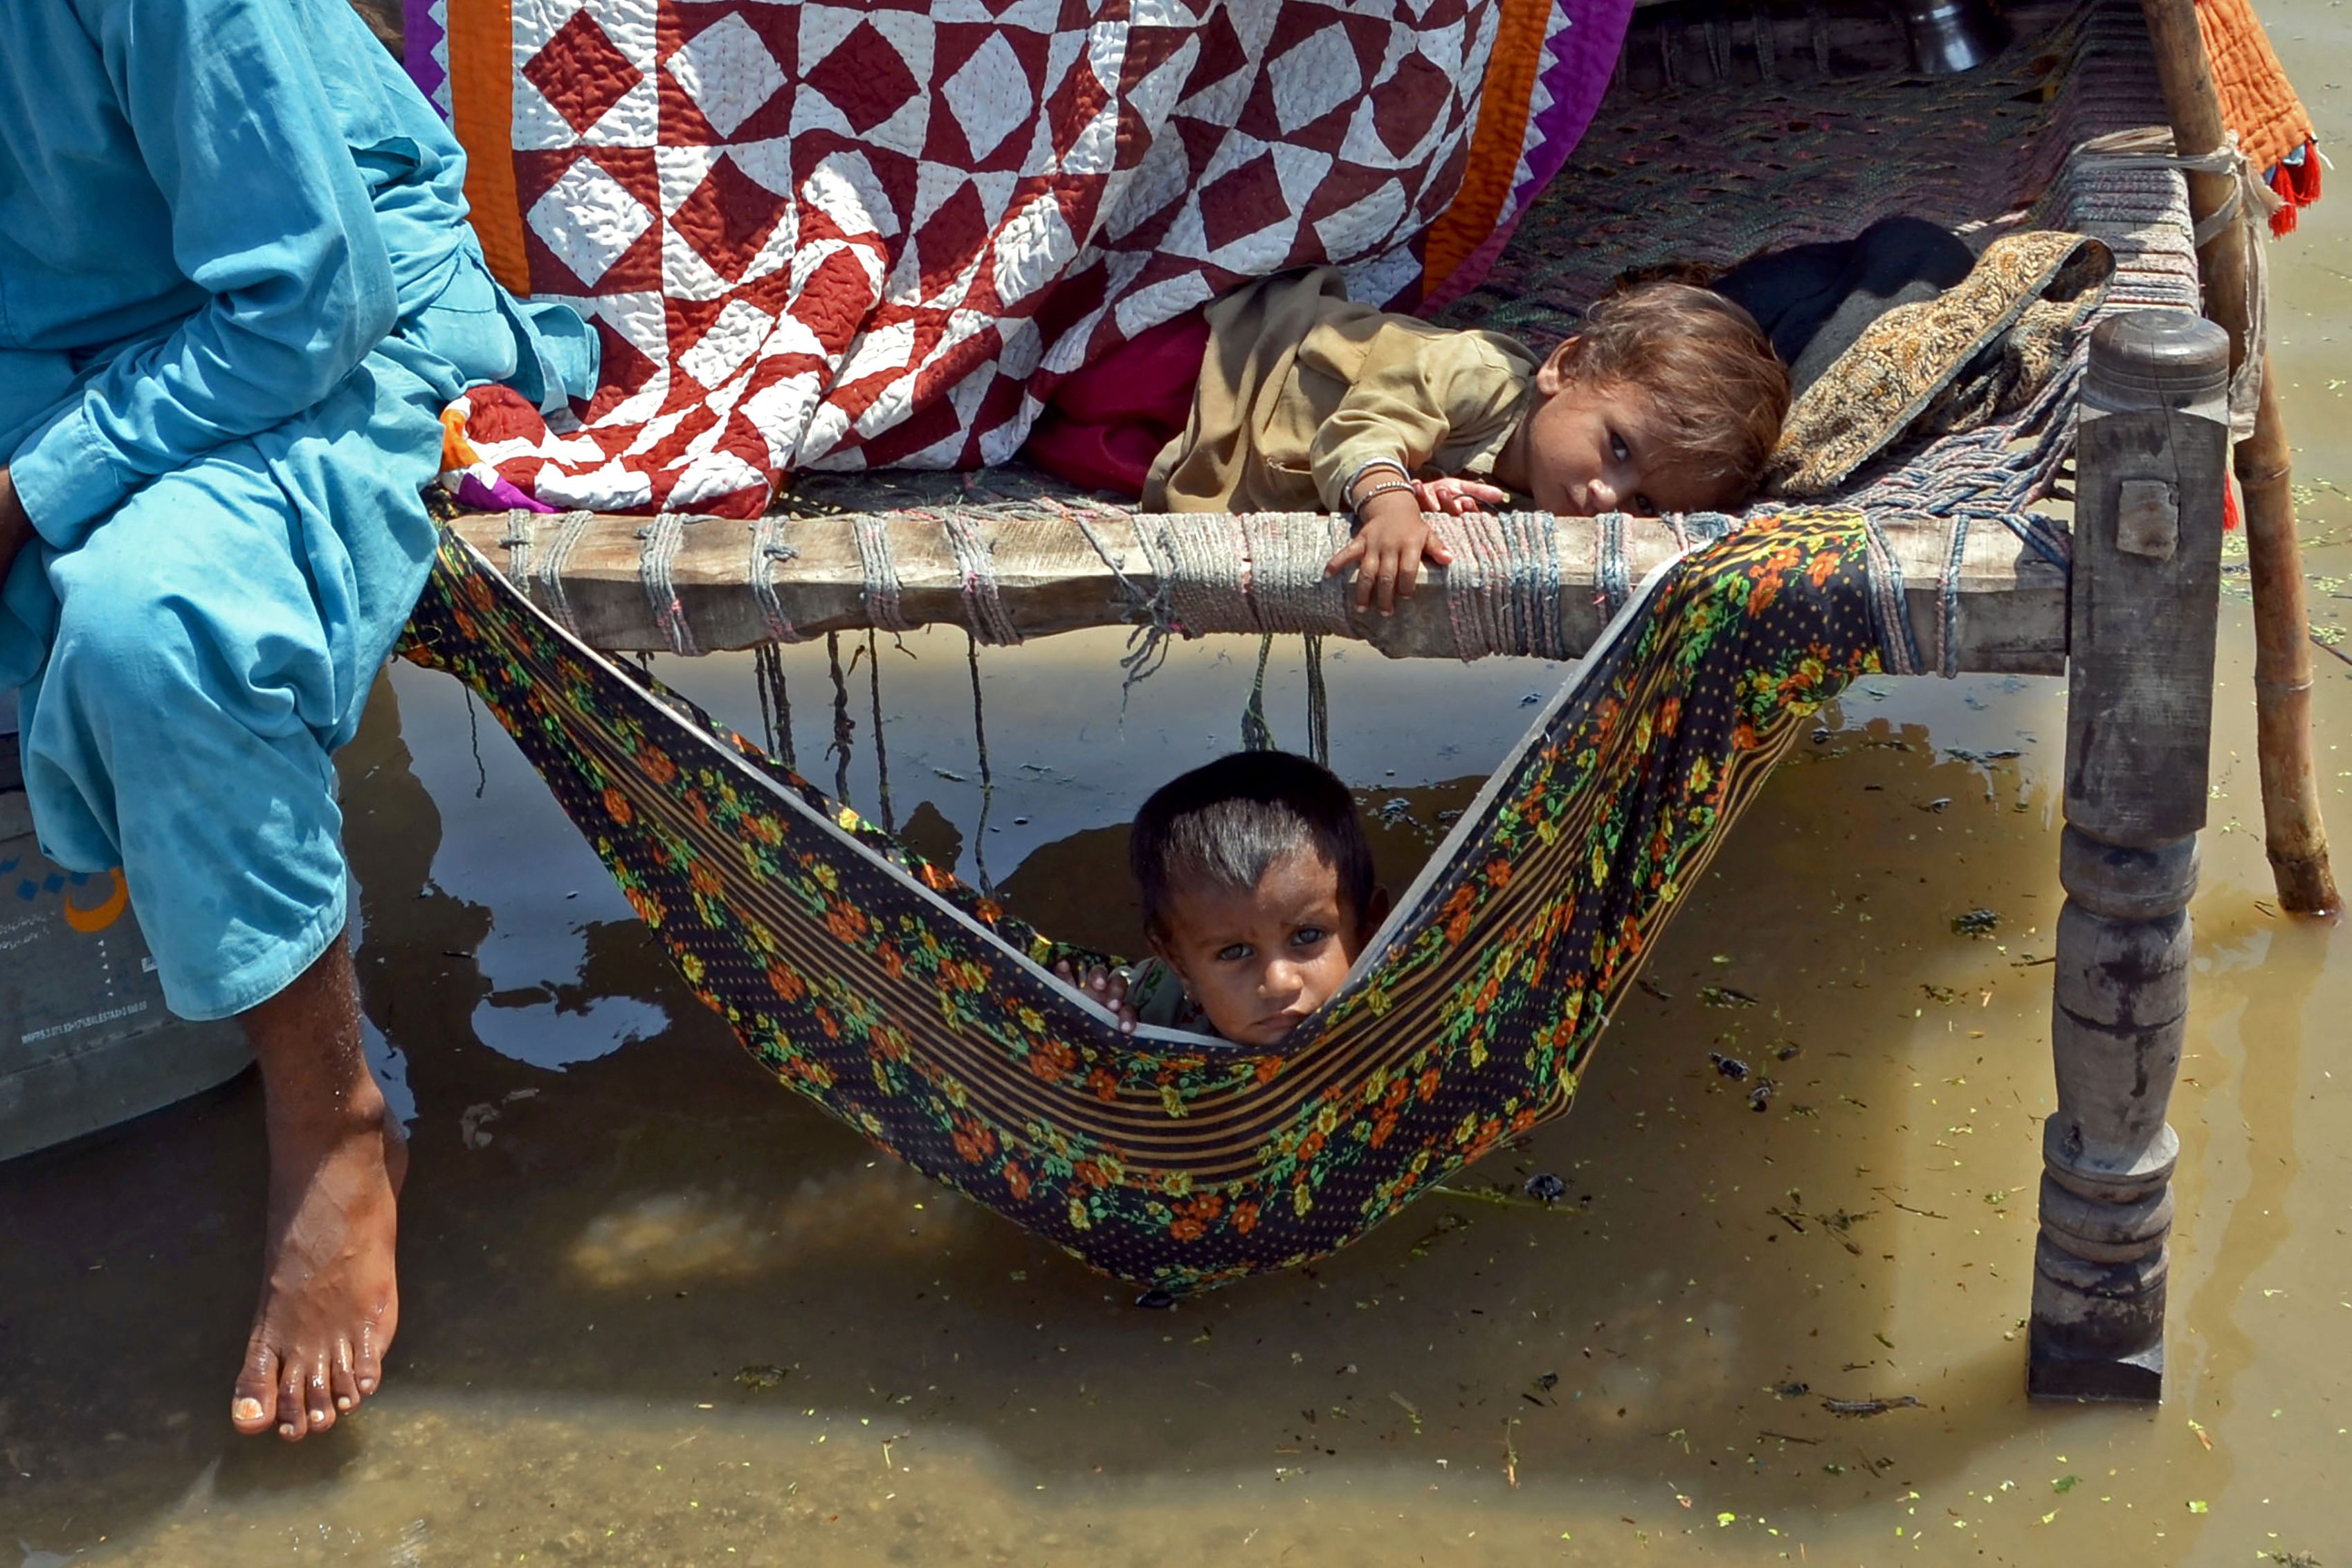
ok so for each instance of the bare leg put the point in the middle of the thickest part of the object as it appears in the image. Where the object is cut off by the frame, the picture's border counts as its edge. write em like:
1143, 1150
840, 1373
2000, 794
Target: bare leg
328, 1303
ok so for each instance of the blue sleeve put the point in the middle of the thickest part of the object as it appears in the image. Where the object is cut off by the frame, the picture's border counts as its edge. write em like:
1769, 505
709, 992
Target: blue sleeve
269, 216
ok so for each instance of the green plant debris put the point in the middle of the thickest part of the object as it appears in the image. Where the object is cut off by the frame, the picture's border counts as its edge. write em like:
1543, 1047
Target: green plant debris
1447, 1224
763, 1376
2065, 1484
1871, 1406
1725, 996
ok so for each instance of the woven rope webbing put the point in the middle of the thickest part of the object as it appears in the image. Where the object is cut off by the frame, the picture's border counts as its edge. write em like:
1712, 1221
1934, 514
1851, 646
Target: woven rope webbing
1263, 571
1502, 591
662, 537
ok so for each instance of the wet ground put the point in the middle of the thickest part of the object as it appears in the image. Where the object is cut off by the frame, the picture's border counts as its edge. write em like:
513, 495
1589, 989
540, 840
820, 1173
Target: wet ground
657, 1310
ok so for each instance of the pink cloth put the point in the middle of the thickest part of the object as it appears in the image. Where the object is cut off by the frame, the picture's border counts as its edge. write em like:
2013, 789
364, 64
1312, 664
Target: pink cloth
1104, 425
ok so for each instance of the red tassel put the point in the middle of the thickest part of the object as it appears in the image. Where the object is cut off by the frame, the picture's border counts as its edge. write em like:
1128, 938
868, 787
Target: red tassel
2297, 184
2230, 503
2306, 176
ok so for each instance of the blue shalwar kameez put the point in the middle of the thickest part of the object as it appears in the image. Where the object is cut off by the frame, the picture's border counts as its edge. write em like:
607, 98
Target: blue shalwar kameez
236, 289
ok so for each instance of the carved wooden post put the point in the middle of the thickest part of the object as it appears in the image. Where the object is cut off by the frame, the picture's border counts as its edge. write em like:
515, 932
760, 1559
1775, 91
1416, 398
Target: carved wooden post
2146, 584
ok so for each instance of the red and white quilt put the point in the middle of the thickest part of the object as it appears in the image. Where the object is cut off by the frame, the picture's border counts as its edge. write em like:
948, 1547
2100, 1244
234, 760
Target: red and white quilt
841, 237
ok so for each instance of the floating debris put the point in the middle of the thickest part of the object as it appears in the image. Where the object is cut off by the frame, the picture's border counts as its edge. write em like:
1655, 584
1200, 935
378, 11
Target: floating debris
1976, 922
1786, 1052
1791, 1390
1837, 1223
1545, 1188
1654, 989
762, 1375
1732, 1067
1156, 1300
1447, 1224
1725, 996
1396, 808
1870, 1406
1760, 1094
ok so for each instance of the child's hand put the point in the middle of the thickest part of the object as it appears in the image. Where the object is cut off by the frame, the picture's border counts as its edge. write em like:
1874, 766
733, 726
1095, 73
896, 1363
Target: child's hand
1102, 986
1455, 496
1388, 551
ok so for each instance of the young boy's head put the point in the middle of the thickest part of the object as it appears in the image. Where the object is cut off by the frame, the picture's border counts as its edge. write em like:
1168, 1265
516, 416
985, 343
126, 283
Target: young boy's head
1670, 399
1257, 888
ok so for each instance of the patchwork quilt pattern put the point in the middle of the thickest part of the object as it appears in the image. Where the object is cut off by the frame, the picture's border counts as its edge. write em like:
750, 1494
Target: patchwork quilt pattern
843, 236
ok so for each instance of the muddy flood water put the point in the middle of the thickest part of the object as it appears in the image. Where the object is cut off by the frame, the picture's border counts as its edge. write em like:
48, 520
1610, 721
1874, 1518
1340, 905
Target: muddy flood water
656, 1310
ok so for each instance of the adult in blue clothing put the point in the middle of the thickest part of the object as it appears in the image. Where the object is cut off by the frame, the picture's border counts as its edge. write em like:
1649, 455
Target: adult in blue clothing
236, 289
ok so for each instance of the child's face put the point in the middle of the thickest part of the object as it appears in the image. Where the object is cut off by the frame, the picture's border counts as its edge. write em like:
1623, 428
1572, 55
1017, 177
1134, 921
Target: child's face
1592, 448
1259, 961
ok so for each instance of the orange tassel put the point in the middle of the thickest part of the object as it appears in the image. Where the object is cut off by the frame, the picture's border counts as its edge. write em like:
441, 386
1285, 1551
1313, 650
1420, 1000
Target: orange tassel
2229, 504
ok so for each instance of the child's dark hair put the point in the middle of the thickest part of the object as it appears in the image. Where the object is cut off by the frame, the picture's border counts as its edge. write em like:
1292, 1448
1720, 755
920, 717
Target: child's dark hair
1226, 824
1721, 390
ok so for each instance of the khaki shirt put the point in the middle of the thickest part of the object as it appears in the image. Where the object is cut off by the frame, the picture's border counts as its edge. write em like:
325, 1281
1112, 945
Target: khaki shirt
1302, 388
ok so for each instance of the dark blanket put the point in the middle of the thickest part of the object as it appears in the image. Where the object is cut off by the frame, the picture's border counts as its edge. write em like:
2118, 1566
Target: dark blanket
1814, 301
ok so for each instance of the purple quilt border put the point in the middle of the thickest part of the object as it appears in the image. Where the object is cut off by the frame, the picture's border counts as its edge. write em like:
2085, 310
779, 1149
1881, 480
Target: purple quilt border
1583, 57
420, 31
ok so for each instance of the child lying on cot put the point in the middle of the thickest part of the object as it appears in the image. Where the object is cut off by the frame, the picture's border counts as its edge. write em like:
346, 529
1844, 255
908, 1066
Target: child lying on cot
1257, 896
1295, 399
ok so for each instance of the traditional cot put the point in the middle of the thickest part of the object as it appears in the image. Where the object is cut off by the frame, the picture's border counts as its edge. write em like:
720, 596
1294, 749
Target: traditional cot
2052, 538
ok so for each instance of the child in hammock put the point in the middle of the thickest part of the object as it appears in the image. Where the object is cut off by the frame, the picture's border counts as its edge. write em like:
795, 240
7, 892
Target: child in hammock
1295, 399
1257, 896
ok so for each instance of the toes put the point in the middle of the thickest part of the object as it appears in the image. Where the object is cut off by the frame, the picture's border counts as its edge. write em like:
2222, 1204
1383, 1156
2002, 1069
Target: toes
254, 1404
317, 1397
342, 1380
293, 1419
367, 1363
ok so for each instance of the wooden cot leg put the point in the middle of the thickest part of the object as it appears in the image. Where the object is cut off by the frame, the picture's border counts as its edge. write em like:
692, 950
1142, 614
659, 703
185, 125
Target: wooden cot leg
2144, 604
2293, 832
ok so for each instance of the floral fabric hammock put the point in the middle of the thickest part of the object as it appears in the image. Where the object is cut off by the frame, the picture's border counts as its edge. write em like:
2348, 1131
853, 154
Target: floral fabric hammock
925, 1016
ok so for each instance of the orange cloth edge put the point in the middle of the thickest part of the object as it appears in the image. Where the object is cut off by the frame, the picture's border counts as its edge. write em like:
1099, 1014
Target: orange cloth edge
1512, 67
2257, 100
481, 102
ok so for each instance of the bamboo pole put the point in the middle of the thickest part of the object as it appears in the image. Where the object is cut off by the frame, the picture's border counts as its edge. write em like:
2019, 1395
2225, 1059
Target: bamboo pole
2293, 832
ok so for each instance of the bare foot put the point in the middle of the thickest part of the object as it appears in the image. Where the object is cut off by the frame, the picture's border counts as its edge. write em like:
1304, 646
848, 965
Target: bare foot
329, 1300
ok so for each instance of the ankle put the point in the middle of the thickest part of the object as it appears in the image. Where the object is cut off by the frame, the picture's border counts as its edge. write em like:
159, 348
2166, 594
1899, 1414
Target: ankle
350, 1111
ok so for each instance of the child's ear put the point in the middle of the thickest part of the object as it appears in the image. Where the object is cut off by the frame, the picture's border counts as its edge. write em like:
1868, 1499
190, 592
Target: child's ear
1166, 954
1376, 910
1551, 376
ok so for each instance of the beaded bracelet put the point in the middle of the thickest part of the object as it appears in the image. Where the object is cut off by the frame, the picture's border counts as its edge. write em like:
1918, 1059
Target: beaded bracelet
1383, 488
1368, 465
